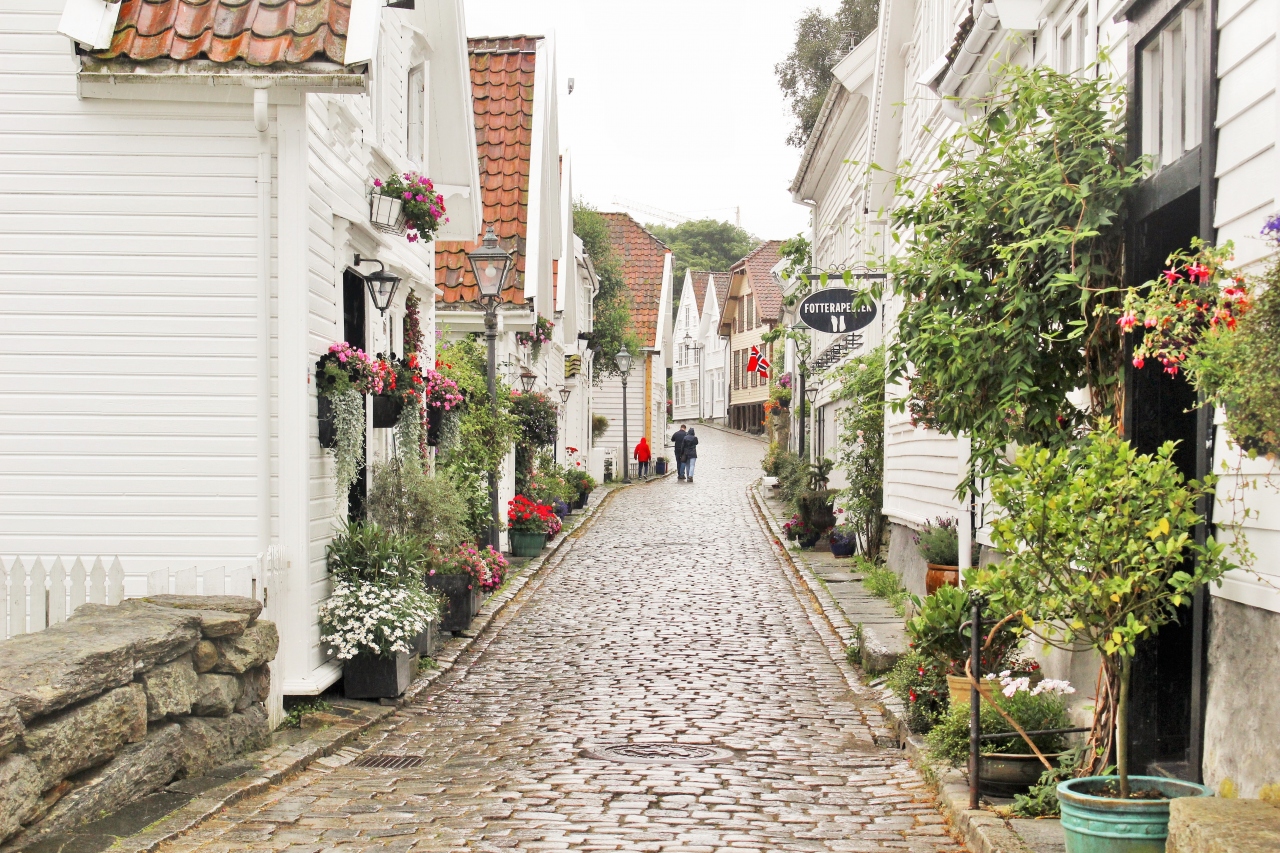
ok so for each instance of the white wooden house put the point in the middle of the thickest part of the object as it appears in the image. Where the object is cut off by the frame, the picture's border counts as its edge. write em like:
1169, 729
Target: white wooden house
1205, 110
179, 224
689, 390
714, 351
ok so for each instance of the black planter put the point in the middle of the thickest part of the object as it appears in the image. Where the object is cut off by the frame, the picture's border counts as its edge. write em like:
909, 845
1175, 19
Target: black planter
367, 676
843, 547
581, 502
328, 431
386, 410
810, 541
660, 467
435, 420
428, 642
461, 600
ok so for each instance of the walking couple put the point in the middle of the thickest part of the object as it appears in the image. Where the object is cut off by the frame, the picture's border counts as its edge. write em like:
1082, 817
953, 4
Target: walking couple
686, 446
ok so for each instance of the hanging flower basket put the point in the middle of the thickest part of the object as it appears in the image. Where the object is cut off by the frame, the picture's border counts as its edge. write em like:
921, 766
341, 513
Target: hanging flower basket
386, 410
421, 208
386, 213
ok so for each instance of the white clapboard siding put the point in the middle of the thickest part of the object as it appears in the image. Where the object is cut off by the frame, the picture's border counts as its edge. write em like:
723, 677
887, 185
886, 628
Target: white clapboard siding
36, 592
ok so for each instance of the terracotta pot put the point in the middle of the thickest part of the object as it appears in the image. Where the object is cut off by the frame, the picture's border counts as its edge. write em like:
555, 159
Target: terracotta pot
939, 575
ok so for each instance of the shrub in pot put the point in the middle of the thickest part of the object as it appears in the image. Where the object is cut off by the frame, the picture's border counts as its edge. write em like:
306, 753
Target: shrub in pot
935, 632
462, 576
920, 682
939, 544
1008, 765
1100, 553
844, 540
528, 524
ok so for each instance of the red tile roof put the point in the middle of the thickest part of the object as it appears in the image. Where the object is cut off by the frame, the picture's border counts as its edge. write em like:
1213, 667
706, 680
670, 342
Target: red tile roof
722, 289
502, 72
258, 32
641, 255
766, 287
700, 279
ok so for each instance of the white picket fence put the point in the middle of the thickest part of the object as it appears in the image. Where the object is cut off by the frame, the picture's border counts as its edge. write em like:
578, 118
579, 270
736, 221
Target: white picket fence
35, 593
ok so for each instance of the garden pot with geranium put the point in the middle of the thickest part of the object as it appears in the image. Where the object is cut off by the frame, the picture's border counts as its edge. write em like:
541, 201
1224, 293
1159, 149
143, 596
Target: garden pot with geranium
537, 336
937, 631
1101, 555
457, 588
386, 410
528, 523
344, 375
377, 610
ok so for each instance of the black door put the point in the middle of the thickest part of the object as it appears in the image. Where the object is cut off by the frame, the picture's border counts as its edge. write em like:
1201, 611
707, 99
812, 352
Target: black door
1163, 408
353, 329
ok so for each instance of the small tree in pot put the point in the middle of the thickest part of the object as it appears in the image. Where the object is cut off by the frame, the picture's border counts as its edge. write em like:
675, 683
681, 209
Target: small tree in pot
1101, 553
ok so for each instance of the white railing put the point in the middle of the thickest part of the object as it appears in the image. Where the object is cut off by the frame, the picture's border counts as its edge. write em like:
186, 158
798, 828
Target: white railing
35, 594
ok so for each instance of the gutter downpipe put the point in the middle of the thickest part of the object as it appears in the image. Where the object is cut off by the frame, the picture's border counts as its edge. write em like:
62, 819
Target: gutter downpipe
984, 26
262, 124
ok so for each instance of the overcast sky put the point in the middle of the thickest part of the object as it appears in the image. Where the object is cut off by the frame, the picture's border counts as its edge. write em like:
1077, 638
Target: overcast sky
675, 104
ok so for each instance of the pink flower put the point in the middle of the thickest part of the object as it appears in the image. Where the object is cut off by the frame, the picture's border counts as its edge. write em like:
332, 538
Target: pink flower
1199, 271
408, 196
1138, 363
412, 236
421, 198
1150, 322
1128, 320
1172, 275
377, 182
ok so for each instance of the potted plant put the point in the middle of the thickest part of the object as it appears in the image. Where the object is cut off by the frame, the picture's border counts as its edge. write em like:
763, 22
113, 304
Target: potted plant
935, 631
344, 375
1008, 766
844, 539
537, 336
377, 610
1101, 554
400, 389
939, 544
441, 398
799, 530
660, 465
421, 209
528, 523
451, 576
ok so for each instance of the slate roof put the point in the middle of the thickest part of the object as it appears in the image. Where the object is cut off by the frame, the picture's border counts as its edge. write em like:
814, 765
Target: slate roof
641, 255
764, 285
502, 71
257, 32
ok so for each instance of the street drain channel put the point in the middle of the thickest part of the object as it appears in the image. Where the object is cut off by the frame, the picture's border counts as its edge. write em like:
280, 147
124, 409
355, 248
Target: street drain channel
659, 753
389, 762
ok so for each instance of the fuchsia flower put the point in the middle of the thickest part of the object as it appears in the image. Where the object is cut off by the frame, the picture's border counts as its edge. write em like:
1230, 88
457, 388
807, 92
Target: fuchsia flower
1172, 275
377, 182
1128, 320
1199, 271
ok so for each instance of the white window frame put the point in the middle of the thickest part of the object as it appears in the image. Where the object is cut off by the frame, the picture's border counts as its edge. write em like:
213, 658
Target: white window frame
415, 122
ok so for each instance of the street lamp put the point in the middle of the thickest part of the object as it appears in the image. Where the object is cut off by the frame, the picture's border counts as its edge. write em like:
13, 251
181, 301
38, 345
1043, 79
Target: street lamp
489, 265
382, 284
623, 360
564, 394
565, 391
810, 394
527, 381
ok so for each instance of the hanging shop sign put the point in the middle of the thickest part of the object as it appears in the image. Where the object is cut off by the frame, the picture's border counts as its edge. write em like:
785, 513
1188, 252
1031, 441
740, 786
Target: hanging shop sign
834, 310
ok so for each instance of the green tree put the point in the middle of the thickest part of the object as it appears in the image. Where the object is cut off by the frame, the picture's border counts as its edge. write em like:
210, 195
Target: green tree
612, 328
704, 244
821, 41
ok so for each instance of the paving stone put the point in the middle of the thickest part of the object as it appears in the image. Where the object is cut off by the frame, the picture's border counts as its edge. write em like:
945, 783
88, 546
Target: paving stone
668, 622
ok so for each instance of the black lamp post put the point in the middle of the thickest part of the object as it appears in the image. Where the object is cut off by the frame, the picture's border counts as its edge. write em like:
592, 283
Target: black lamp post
527, 381
810, 394
565, 391
623, 360
489, 264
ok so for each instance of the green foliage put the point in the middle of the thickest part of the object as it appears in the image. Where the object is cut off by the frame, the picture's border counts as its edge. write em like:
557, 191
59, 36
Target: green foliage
1100, 551
611, 327
935, 631
882, 582
939, 543
405, 500
949, 739
298, 707
1013, 270
599, 425
704, 244
537, 418
921, 684
821, 40
862, 447
792, 474
1042, 799
798, 253
368, 553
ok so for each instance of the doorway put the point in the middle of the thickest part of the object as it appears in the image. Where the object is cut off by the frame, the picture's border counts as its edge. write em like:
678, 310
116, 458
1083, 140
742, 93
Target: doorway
353, 326
1163, 408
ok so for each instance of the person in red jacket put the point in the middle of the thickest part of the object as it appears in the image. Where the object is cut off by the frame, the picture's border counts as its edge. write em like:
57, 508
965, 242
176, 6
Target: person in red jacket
642, 456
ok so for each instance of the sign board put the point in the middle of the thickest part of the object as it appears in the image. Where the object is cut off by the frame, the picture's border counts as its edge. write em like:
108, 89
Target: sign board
833, 310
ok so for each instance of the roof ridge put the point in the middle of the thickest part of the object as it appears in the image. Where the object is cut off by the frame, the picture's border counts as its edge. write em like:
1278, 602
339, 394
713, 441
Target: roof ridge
636, 223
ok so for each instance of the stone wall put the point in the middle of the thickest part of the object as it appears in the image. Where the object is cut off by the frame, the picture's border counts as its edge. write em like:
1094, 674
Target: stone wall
118, 701
1241, 742
905, 559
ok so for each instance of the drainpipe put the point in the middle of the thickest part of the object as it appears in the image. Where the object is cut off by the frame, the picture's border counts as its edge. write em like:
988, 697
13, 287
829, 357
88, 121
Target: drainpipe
261, 123
984, 27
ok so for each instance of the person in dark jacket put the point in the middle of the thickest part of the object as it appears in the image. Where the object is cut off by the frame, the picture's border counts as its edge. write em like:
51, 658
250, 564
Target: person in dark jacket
690, 454
678, 441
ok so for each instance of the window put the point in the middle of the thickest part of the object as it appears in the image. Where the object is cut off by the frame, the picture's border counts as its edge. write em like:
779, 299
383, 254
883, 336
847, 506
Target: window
750, 310
415, 124
1172, 87
693, 392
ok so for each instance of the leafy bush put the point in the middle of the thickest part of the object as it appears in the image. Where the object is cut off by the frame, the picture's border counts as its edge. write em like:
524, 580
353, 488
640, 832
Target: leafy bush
536, 416
368, 553
599, 425
405, 500
921, 684
882, 582
862, 447
935, 631
1034, 708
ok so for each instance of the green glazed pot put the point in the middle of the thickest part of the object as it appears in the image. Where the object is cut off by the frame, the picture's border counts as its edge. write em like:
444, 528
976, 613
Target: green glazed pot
1096, 824
525, 543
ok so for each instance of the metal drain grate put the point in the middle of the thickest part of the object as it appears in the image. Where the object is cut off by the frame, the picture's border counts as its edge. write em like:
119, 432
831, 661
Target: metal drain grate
665, 753
389, 762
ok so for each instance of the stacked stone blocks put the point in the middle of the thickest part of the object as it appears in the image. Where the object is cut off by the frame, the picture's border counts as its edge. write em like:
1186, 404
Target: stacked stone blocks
120, 700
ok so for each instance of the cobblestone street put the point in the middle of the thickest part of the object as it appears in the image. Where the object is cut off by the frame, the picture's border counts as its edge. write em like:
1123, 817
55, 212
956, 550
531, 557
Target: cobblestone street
669, 621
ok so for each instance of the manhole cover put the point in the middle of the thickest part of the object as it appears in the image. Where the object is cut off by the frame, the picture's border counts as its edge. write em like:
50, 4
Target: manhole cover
388, 762
666, 753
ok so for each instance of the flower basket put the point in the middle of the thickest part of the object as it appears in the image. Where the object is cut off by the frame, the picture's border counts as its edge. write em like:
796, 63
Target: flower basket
370, 676
526, 543
435, 420
386, 213
842, 546
386, 410
460, 599
328, 429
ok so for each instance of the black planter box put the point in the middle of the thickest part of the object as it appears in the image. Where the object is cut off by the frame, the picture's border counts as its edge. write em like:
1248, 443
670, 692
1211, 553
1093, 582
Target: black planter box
461, 600
328, 431
368, 676
435, 419
386, 411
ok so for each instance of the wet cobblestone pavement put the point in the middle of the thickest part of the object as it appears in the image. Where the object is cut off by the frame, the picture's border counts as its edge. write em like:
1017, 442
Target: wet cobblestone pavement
669, 626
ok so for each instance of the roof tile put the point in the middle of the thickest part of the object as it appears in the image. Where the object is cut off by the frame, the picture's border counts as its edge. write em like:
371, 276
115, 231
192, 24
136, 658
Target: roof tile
641, 256
502, 73
764, 285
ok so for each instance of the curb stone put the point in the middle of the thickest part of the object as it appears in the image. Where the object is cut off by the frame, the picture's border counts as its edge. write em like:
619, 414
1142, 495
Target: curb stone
259, 771
981, 830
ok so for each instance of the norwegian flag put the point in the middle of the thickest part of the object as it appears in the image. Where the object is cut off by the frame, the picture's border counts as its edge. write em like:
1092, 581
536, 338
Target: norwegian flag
762, 367
753, 362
